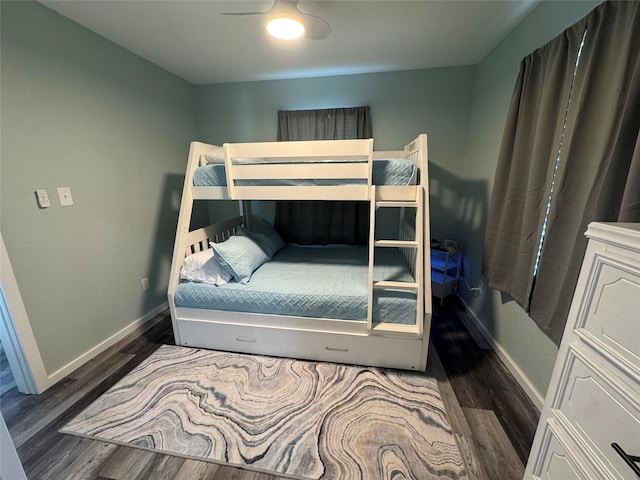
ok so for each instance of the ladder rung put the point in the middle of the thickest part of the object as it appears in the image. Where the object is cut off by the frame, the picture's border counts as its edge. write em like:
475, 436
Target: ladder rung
395, 285
395, 328
396, 243
399, 203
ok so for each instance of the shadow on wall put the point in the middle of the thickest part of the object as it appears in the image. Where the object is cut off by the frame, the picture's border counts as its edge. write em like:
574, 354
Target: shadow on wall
161, 254
445, 192
458, 210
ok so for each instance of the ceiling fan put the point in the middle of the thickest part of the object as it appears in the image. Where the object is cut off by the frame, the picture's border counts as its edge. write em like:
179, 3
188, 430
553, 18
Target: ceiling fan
287, 14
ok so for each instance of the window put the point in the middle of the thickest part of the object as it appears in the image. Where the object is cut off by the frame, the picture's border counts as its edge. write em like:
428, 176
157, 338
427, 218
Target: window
322, 222
570, 155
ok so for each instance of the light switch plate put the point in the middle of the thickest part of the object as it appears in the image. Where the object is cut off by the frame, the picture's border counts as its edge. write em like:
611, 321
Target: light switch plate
64, 195
43, 198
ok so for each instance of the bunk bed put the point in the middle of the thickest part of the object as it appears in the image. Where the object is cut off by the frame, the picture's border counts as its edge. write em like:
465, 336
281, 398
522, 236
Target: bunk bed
367, 305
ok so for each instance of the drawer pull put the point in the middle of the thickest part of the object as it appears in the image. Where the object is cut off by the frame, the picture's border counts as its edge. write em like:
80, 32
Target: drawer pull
336, 349
631, 460
246, 339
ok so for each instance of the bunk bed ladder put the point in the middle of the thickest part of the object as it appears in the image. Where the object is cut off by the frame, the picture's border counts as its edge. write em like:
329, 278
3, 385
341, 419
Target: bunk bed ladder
413, 252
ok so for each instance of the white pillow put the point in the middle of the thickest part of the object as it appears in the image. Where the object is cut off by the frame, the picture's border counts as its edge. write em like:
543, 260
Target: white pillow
203, 267
247, 160
215, 155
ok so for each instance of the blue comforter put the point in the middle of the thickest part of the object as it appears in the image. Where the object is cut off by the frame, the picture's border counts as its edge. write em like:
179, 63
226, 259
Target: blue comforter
384, 172
319, 282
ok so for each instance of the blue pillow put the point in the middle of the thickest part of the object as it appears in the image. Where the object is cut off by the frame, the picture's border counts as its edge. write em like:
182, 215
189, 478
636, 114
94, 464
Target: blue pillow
240, 255
267, 237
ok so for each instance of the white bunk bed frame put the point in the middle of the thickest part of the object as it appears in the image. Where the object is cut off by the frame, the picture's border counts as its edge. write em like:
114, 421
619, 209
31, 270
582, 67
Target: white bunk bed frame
322, 339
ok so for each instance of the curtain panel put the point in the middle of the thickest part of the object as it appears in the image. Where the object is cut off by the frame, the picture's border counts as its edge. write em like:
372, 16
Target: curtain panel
325, 124
592, 132
319, 222
598, 178
526, 164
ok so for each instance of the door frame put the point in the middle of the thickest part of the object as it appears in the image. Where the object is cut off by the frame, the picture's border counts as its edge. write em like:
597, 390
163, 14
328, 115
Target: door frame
16, 334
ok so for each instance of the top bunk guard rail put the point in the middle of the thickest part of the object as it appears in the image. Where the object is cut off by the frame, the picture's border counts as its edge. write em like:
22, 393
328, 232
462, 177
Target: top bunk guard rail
299, 160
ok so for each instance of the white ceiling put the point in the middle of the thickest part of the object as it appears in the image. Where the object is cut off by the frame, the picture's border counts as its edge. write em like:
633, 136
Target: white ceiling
192, 40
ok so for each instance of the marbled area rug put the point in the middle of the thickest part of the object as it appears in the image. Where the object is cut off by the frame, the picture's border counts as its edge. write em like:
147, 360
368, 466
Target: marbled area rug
298, 419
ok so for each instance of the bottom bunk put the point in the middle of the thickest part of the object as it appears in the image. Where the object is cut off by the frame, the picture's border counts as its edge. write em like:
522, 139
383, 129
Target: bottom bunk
316, 282
299, 302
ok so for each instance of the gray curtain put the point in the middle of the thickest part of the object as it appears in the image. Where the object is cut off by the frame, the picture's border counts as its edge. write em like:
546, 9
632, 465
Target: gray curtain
325, 124
593, 126
318, 222
526, 164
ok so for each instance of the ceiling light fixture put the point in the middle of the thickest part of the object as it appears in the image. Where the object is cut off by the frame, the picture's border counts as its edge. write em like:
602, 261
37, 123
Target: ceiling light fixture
285, 28
284, 20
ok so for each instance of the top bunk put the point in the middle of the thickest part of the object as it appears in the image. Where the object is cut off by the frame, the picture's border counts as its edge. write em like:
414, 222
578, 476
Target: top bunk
306, 170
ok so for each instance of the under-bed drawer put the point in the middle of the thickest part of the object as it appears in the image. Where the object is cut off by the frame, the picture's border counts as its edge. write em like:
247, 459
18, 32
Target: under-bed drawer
394, 352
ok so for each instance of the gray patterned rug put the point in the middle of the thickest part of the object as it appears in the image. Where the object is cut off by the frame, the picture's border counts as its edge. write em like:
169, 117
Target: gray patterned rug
292, 418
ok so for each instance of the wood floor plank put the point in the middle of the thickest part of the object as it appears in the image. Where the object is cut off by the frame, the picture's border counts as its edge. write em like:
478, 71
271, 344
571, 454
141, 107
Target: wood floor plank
31, 422
458, 420
7, 381
149, 341
451, 403
39, 462
125, 463
519, 419
162, 467
500, 458
101, 363
33, 416
471, 457
473, 330
84, 463
195, 470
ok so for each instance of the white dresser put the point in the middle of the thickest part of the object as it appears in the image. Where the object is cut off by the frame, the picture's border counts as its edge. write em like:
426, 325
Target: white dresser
593, 399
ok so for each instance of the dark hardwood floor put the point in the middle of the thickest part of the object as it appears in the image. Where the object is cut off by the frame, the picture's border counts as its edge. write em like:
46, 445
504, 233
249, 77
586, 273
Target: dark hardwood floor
493, 420
7, 381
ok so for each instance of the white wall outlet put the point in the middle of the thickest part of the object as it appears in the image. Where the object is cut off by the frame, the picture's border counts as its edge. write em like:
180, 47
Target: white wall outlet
43, 198
145, 284
64, 195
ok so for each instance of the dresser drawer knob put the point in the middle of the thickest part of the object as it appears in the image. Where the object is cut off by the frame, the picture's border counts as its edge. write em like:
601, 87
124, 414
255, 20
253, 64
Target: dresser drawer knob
631, 460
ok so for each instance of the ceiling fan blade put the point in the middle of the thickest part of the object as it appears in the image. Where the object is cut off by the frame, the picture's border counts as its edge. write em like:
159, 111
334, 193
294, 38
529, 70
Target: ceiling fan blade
316, 28
243, 13
273, 6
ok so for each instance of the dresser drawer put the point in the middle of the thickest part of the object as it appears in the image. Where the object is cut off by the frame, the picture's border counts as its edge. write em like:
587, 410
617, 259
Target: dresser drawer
593, 398
601, 409
612, 314
558, 462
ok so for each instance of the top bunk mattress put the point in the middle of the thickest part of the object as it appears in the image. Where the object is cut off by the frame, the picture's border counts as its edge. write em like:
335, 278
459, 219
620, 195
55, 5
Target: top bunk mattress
317, 282
397, 171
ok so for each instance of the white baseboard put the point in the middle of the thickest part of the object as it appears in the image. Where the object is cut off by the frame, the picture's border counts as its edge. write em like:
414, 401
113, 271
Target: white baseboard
141, 324
515, 370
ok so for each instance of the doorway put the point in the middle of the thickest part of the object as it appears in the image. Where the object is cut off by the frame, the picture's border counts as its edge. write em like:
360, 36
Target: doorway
7, 381
16, 336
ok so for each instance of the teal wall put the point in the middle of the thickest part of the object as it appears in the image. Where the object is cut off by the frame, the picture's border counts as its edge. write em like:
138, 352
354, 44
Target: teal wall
79, 111
403, 105
511, 328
